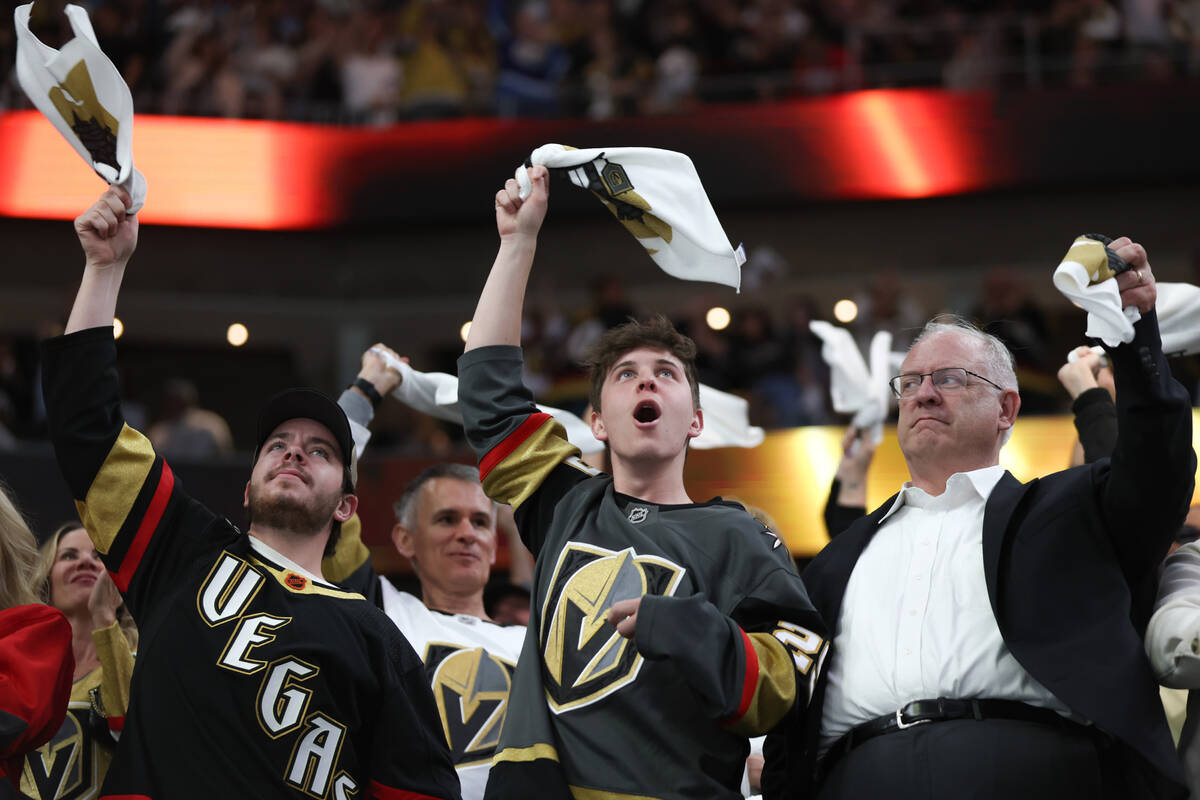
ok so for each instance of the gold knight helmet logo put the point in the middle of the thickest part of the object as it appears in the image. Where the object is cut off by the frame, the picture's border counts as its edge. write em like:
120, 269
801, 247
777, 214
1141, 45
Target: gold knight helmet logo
584, 658
470, 687
64, 767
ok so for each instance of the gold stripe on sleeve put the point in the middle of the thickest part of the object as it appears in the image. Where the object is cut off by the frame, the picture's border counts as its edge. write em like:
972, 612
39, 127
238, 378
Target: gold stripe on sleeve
116, 660
116, 486
348, 554
776, 690
522, 471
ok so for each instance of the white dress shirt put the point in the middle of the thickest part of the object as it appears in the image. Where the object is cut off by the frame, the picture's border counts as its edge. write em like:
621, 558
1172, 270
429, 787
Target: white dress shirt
916, 622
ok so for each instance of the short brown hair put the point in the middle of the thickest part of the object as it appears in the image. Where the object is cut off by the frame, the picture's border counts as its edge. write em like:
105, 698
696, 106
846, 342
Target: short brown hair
657, 333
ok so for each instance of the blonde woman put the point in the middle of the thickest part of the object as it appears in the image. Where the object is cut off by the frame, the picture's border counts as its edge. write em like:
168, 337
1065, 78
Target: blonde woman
71, 577
35, 651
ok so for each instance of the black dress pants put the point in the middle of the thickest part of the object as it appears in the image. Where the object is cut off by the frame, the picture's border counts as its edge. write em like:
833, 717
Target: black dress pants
993, 758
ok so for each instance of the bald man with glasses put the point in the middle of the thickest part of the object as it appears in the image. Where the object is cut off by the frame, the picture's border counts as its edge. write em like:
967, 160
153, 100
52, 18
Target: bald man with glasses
987, 633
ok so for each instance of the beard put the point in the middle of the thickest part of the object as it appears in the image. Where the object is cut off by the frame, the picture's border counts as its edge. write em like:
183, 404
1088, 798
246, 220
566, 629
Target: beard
287, 513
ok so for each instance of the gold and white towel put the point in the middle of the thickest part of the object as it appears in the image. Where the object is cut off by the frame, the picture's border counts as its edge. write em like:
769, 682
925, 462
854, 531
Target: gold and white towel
1087, 277
657, 195
83, 94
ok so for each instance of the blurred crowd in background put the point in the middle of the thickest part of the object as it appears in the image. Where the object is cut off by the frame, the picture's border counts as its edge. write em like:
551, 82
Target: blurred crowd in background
770, 358
383, 61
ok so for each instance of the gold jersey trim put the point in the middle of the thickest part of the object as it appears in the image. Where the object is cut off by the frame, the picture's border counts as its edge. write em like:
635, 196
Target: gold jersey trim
526, 754
116, 486
580, 793
522, 471
310, 587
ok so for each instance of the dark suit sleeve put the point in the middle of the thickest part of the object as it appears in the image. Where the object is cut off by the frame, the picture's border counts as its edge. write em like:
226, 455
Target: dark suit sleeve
1146, 490
1096, 422
837, 516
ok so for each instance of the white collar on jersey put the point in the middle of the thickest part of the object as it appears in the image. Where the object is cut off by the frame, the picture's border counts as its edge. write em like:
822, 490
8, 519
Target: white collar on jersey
264, 549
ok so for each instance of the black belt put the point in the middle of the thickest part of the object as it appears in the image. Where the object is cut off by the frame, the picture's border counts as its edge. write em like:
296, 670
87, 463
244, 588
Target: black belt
943, 709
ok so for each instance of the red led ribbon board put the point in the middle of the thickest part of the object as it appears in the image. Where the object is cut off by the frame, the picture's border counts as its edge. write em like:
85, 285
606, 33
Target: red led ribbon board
871, 145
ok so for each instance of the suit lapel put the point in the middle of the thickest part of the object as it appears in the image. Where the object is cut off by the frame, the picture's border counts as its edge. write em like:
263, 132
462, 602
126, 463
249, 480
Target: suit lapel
1001, 504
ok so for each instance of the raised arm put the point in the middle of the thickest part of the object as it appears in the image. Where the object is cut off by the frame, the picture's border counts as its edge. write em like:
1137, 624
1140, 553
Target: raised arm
108, 236
497, 317
1147, 490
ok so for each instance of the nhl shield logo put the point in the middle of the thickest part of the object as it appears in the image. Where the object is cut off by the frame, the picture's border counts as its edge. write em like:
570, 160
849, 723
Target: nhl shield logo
583, 657
638, 514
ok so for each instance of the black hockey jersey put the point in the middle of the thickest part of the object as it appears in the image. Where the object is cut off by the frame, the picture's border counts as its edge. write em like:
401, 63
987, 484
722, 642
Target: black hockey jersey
726, 643
254, 678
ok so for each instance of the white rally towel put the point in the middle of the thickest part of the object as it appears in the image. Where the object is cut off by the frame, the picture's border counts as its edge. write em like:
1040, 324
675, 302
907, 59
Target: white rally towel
82, 93
1178, 308
657, 195
854, 387
726, 416
1087, 280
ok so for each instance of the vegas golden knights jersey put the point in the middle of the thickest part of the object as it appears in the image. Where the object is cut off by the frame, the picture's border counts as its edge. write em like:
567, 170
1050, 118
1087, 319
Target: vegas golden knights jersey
727, 642
469, 663
73, 763
254, 678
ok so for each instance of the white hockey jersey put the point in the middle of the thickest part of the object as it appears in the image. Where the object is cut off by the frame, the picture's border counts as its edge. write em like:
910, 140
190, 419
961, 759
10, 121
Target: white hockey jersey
470, 663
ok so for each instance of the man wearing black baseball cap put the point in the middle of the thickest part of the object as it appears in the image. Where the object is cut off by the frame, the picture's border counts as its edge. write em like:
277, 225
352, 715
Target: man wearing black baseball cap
256, 677
292, 499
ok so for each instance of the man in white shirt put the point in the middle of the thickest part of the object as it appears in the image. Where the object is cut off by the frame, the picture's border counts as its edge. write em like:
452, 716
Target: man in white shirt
988, 632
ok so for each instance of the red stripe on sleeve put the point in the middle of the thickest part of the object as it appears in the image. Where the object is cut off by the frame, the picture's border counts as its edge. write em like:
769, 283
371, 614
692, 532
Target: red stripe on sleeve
145, 531
381, 792
750, 682
512, 442
116, 724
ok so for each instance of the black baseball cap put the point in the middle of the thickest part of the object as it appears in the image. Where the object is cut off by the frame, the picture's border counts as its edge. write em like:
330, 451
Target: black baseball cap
308, 404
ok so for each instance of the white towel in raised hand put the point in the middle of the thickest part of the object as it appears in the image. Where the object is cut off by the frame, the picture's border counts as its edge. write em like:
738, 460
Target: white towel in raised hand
657, 195
726, 416
1178, 308
1074, 277
855, 388
83, 94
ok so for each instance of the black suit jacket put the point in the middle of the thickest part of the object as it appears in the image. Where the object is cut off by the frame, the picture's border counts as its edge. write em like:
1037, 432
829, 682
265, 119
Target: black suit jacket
1070, 562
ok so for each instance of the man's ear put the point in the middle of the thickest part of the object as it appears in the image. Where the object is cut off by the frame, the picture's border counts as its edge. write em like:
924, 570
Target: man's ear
597, 425
1010, 404
346, 507
246, 496
402, 540
697, 425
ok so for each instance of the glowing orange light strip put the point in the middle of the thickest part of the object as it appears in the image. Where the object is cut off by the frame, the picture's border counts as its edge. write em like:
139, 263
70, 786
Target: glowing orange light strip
203, 172
900, 159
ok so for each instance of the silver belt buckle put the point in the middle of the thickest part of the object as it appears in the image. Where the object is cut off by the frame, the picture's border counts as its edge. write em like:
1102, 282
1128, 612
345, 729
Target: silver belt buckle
902, 725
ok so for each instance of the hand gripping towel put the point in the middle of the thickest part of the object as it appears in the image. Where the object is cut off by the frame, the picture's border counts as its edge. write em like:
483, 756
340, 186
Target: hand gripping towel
657, 195
1087, 277
82, 93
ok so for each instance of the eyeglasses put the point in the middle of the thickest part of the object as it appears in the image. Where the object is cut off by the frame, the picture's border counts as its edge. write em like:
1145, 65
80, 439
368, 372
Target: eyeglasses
946, 379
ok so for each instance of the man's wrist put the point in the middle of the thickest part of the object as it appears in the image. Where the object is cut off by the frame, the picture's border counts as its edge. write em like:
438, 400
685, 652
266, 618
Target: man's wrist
368, 389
